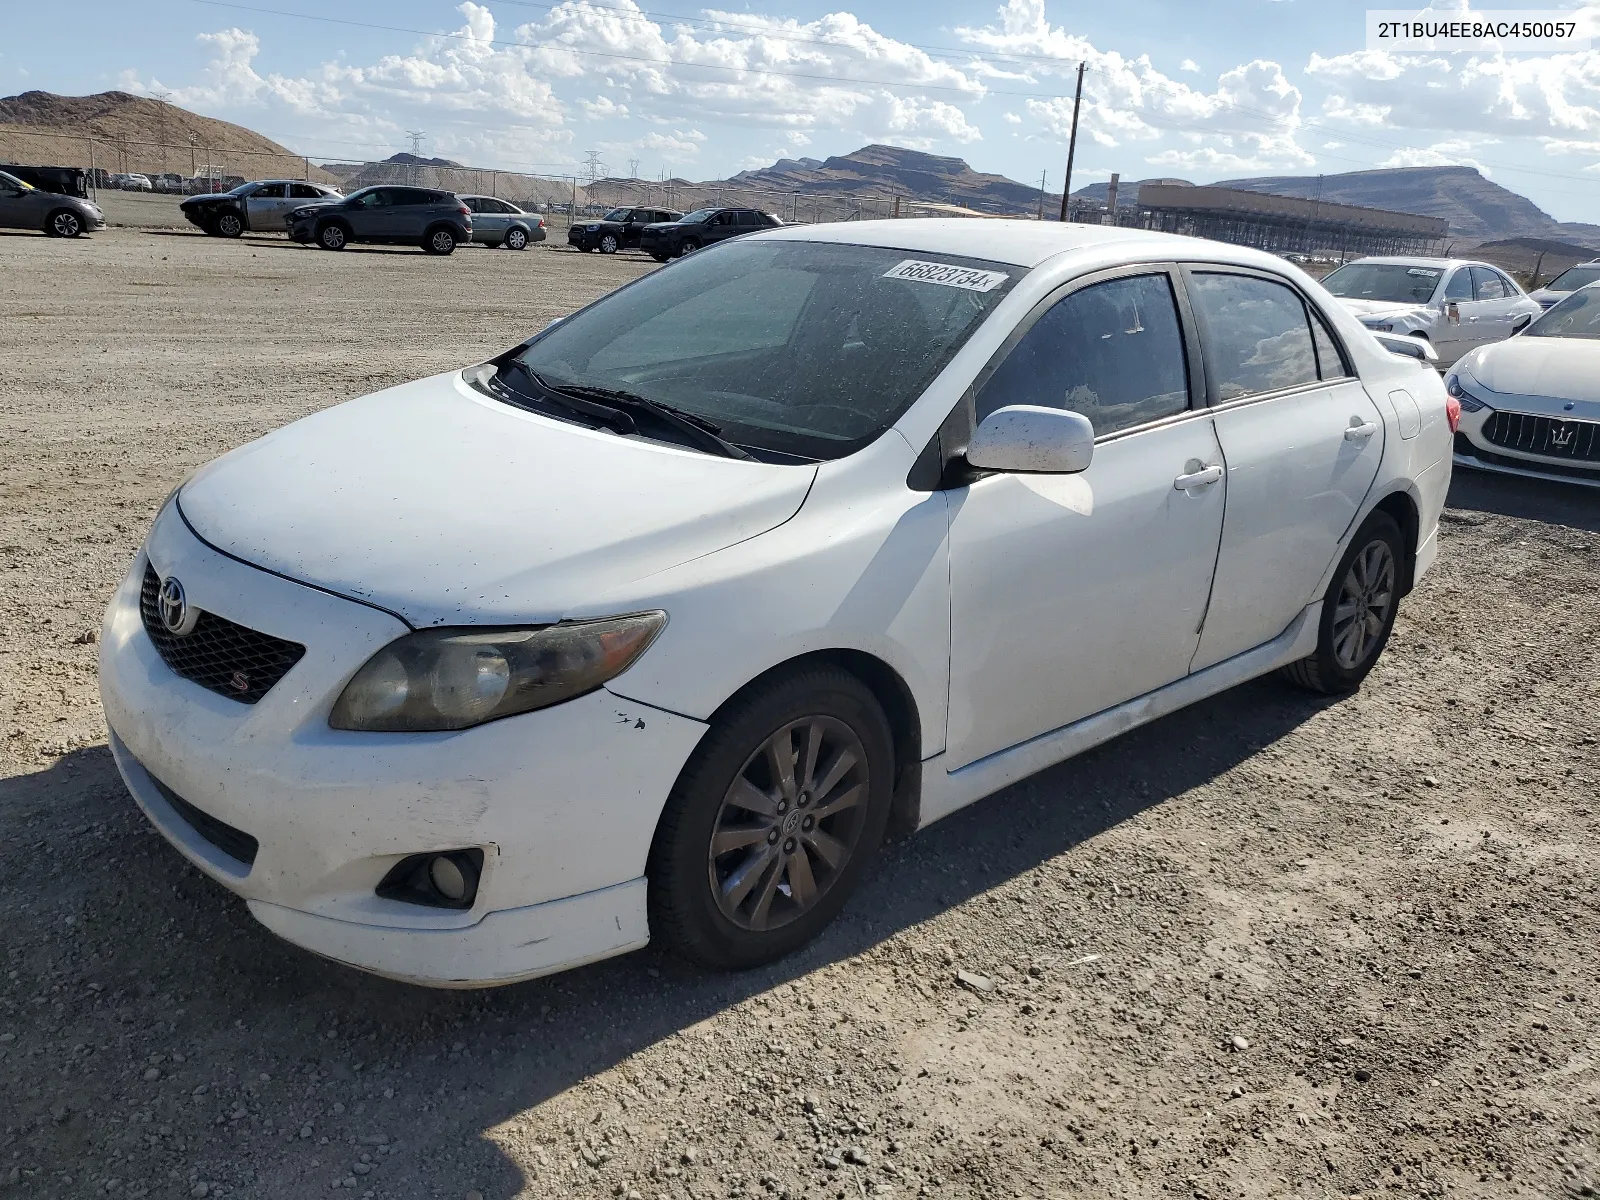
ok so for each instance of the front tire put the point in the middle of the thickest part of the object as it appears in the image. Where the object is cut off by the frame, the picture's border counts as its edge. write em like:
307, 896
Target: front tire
774, 820
517, 239
440, 242
690, 245
63, 223
608, 244
229, 225
333, 236
1358, 611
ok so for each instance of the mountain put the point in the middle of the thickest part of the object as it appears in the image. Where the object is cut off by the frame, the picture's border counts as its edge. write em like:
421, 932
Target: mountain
893, 171
1477, 208
35, 128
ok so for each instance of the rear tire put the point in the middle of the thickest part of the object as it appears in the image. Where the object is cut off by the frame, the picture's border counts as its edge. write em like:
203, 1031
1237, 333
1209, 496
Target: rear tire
516, 239
439, 241
63, 223
333, 236
661, 258
1358, 611
783, 873
229, 225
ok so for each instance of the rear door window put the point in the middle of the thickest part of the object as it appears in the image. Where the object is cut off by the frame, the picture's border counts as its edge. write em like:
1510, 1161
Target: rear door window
304, 191
1257, 337
1488, 284
270, 191
1112, 351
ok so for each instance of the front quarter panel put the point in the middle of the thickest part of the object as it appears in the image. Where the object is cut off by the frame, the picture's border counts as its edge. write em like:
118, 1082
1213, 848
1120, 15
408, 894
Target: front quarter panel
862, 566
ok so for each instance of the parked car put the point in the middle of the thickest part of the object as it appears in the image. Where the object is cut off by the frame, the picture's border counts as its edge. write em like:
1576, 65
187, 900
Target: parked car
1531, 405
701, 228
1456, 305
62, 181
649, 627
1562, 286
619, 229
437, 221
170, 182
497, 222
260, 206
23, 206
131, 182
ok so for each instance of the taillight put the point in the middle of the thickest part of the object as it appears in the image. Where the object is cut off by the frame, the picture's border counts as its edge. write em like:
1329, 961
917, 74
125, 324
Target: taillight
1452, 412
464, 211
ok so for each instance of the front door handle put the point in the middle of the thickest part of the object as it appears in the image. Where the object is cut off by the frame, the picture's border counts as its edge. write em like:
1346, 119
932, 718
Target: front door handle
1197, 479
1360, 431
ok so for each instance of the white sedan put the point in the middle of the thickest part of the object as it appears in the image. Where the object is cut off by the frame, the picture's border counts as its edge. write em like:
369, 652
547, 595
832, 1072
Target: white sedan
654, 626
1531, 406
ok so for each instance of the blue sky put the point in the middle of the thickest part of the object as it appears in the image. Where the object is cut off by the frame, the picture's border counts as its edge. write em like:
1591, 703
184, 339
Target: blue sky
1203, 92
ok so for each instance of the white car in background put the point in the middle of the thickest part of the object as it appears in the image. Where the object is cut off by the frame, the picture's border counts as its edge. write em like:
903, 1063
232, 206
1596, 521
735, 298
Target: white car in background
650, 627
1456, 305
1531, 406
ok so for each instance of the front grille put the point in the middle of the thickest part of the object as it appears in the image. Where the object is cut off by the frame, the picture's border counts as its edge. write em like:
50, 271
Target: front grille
1464, 446
1578, 441
235, 843
229, 659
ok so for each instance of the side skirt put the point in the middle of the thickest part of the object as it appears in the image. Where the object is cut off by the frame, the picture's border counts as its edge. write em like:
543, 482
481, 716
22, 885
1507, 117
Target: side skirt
943, 792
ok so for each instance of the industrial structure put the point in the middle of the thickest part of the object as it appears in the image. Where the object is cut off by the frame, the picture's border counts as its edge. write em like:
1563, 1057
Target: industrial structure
1283, 224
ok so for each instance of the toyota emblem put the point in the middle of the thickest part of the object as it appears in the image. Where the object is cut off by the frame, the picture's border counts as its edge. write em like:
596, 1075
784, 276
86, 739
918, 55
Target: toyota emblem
176, 614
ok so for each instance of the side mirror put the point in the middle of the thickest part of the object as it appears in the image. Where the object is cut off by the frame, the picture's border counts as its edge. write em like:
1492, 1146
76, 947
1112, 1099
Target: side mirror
1027, 438
1521, 323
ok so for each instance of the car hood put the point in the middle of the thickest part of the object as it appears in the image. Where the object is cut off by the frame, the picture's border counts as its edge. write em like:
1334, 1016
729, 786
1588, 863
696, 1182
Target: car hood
1382, 308
446, 507
1551, 367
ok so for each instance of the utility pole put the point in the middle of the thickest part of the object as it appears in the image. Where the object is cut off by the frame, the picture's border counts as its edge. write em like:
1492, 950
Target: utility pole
1072, 142
161, 122
1042, 175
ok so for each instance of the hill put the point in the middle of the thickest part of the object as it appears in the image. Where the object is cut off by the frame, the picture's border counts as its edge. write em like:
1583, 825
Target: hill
893, 171
1477, 208
41, 127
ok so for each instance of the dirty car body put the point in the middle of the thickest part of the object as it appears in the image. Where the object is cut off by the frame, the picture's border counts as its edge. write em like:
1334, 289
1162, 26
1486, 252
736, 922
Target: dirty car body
819, 534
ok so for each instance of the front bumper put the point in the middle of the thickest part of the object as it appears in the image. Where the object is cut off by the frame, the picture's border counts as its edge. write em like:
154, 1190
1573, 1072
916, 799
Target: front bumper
1475, 450
563, 802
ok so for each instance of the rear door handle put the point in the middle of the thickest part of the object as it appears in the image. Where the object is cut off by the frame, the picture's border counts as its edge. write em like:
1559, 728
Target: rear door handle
1197, 479
1360, 432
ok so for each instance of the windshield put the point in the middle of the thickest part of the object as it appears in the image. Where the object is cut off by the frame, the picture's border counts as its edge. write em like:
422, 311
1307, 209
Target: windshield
617, 214
698, 215
1392, 283
1574, 278
1578, 316
799, 348
15, 182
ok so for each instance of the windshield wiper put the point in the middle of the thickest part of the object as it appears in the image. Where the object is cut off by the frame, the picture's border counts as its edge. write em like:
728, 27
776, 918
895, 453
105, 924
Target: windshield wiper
603, 415
696, 428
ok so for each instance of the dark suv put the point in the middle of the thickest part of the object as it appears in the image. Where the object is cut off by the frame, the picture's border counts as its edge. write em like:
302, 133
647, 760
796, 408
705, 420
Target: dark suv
436, 221
619, 229
700, 228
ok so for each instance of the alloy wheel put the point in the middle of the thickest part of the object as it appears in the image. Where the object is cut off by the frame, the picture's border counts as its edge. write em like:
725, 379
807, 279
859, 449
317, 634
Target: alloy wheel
608, 244
66, 224
333, 237
443, 242
789, 823
229, 225
1365, 599
516, 239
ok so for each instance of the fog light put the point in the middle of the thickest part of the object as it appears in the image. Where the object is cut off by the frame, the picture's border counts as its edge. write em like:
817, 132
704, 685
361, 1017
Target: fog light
441, 879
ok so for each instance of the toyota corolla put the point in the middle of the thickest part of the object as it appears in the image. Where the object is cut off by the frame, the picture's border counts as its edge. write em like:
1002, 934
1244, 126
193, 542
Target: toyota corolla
654, 626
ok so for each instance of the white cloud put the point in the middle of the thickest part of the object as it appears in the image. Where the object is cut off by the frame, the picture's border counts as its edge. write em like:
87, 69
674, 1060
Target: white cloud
1011, 118
1253, 116
1452, 153
1189, 64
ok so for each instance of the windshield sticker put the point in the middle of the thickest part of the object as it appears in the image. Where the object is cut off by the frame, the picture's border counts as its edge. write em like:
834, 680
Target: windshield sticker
946, 275
1423, 272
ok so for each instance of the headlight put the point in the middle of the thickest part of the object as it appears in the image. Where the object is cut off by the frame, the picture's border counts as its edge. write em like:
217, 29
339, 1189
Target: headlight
594, 228
455, 678
1469, 402
1379, 326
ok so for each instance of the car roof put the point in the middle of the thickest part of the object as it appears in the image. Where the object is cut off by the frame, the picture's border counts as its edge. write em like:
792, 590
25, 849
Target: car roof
1404, 260
1021, 243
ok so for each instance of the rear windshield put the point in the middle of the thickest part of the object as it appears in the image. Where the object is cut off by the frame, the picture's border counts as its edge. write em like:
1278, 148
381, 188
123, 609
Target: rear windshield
1574, 278
1390, 283
803, 348
1578, 316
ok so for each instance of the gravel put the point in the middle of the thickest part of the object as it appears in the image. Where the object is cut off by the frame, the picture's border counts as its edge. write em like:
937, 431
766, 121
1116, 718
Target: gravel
1275, 945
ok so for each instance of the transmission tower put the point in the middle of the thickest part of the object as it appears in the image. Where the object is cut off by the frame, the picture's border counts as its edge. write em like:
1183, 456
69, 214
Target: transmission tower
593, 166
417, 136
633, 168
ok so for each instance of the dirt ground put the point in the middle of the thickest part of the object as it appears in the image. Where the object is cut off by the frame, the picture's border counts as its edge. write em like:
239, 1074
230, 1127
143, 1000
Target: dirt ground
1273, 946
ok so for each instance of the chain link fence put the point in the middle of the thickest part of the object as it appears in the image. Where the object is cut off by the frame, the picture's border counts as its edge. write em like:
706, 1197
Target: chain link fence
130, 165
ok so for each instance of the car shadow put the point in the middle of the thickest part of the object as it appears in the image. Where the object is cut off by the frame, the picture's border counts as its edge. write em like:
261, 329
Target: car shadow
158, 942
1571, 504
